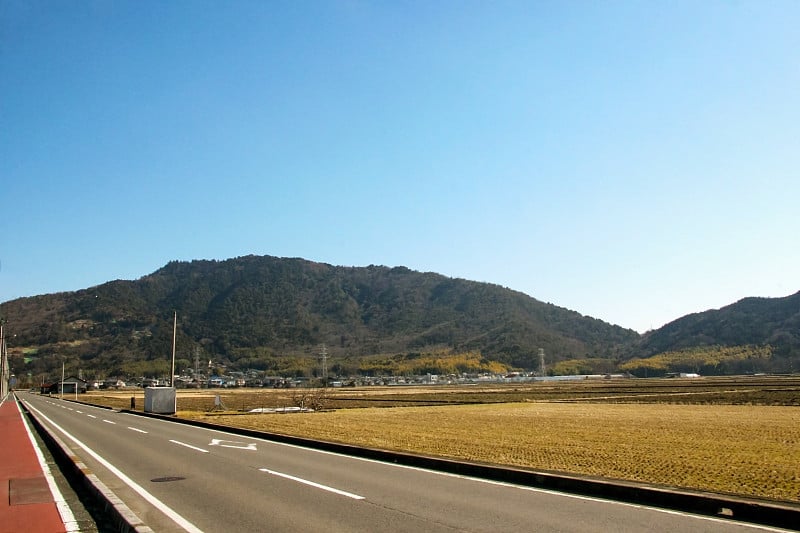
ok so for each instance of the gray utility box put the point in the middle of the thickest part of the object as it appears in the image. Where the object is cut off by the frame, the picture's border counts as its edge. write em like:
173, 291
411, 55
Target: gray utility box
160, 400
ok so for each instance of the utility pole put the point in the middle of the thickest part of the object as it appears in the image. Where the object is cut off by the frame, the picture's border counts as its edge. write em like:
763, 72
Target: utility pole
541, 362
4, 369
174, 332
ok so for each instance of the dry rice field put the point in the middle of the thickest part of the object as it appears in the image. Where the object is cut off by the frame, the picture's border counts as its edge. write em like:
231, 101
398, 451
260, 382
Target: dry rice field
747, 450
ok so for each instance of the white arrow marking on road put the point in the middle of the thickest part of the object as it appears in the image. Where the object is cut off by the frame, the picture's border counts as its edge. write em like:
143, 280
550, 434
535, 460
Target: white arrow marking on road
233, 444
189, 446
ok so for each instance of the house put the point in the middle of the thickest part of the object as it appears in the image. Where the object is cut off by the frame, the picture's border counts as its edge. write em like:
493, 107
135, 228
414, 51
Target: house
216, 382
273, 381
112, 384
70, 385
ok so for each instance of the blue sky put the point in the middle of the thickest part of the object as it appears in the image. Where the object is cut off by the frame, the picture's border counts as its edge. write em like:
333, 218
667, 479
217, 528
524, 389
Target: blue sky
633, 161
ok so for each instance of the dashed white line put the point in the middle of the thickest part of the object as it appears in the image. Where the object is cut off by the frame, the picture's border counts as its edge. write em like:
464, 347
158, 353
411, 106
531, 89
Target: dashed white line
109, 421
91, 416
188, 446
136, 429
161, 506
534, 489
312, 484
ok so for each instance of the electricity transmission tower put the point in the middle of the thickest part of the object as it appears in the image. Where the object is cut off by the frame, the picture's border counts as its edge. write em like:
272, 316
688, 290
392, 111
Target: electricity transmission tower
323, 355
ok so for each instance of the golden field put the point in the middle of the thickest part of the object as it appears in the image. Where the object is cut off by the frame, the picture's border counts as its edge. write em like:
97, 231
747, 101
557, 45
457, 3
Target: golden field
748, 450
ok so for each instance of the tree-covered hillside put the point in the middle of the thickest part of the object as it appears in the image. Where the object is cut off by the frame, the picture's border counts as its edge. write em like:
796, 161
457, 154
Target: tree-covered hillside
273, 314
252, 312
772, 322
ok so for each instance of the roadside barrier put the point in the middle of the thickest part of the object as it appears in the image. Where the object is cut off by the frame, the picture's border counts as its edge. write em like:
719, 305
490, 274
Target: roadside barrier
123, 519
737, 509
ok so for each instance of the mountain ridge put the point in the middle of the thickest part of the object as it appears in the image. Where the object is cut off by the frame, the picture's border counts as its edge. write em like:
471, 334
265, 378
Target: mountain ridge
751, 320
264, 307
262, 311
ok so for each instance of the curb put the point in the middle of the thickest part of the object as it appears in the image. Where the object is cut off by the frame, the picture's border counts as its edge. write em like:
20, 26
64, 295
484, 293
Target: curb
736, 509
124, 520
784, 515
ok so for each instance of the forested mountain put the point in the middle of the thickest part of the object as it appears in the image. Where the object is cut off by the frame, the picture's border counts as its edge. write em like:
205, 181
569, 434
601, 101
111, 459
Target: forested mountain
253, 312
274, 314
755, 322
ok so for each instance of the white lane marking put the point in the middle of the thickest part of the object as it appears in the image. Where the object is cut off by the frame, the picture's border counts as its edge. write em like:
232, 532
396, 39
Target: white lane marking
311, 483
155, 502
91, 416
233, 444
67, 518
79, 412
137, 429
518, 487
108, 421
534, 489
188, 446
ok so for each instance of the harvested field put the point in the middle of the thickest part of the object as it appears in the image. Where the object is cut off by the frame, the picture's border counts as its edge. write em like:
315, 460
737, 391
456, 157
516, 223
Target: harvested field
754, 390
745, 450
730, 447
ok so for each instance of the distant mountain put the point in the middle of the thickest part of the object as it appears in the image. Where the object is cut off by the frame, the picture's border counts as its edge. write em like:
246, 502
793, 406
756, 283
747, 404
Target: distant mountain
250, 311
751, 321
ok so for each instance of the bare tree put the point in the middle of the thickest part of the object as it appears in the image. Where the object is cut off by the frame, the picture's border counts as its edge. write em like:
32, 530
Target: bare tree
313, 399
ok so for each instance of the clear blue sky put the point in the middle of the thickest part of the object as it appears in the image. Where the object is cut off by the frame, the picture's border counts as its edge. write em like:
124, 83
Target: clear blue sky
633, 161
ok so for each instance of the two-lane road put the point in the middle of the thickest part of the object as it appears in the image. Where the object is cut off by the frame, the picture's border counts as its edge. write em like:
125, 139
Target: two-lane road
183, 478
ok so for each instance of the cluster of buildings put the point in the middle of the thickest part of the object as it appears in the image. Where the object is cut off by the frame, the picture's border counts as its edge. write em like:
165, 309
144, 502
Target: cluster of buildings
74, 385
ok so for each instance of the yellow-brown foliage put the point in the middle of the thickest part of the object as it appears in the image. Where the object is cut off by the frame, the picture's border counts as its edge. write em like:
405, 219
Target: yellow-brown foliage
696, 358
435, 362
590, 365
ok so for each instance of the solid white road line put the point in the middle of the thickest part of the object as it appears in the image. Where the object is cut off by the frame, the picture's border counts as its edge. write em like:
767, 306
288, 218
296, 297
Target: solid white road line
311, 483
70, 524
188, 446
155, 502
534, 489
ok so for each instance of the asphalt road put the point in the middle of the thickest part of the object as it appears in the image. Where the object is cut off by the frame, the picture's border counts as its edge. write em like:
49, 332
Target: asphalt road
182, 478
